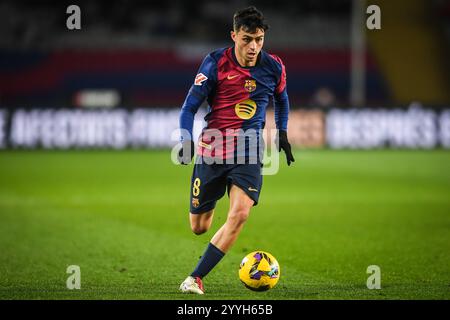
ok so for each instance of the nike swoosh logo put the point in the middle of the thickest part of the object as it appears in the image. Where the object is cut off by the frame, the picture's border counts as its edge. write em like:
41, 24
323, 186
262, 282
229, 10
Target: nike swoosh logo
252, 189
230, 77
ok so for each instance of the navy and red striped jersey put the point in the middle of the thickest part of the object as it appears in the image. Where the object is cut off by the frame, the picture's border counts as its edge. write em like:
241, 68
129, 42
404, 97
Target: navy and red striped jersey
237, 96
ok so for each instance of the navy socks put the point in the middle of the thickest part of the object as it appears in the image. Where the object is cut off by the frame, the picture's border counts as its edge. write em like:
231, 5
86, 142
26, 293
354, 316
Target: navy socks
210, 258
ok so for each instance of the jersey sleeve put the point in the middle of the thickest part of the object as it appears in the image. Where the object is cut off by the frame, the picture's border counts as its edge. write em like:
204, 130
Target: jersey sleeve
204, 82
281, 99
206, 78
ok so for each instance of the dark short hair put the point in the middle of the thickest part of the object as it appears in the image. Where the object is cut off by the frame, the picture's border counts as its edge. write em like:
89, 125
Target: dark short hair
249, 19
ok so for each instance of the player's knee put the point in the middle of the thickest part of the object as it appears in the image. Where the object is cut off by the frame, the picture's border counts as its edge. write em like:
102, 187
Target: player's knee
198, 229
239, 215
200, 223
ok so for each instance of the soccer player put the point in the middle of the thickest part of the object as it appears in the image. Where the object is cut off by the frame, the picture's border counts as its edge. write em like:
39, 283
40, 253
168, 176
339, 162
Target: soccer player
238, 83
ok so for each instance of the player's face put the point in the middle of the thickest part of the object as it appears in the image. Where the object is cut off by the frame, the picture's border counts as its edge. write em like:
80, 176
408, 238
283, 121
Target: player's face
248, 46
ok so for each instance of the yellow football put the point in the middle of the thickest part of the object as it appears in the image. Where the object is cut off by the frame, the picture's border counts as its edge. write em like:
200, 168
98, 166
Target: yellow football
259, 271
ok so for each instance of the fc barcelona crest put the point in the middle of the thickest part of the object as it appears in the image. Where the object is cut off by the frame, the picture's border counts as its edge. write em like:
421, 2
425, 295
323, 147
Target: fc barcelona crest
195, 202
250, 85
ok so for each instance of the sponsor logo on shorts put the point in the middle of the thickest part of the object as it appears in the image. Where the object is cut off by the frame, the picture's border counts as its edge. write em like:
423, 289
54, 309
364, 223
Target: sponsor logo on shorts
252, 189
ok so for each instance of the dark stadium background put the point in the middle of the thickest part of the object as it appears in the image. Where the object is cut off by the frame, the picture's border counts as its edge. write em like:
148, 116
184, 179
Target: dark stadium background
148, 50
370, 123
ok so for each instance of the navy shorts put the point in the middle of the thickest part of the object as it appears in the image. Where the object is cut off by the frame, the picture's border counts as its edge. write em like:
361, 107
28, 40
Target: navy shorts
210, 181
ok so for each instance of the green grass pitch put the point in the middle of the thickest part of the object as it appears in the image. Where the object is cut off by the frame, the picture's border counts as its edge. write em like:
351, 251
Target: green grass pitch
122, 216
